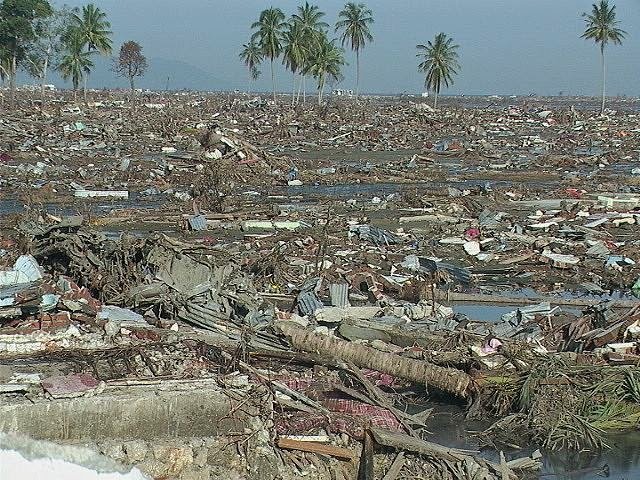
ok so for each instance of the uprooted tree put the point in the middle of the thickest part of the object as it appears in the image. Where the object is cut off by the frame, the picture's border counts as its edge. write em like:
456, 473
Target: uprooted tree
131, 63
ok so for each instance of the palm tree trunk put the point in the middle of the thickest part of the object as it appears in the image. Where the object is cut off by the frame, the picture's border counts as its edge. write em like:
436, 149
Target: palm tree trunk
84, 87
603, 78
304, 90
320, 90
450, 380
300, 80
249, 84
273, 82
357, 73
293, 93
435, 99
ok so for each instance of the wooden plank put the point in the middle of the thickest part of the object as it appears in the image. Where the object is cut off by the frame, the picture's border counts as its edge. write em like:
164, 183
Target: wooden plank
314, 447
416, 445
504, 469
365, 469
395, 468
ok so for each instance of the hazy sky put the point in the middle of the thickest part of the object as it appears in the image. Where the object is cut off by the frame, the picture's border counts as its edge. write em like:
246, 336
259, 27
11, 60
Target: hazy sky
506, 46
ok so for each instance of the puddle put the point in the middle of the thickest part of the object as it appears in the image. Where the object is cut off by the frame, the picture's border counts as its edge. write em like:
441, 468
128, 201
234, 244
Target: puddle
370, 190
488, 312
483, 312
623, 459
8, 207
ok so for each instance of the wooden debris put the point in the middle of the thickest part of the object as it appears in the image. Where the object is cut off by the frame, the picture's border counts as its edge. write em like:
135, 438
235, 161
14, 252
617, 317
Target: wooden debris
314, 447
395, 468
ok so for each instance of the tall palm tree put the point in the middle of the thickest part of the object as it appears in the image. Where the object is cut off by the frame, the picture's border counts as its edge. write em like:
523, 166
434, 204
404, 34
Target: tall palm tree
251, 56
76, 62
294, 52
310, 19
92, 28
354, 24
440, 63
602, 28
269, 27
325, 62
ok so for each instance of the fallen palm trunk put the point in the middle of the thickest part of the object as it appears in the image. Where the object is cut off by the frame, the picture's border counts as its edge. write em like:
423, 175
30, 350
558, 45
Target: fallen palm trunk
449, 380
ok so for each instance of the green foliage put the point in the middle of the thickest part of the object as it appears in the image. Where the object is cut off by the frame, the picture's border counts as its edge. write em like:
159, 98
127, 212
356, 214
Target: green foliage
269, 29
19, 27
251, 55
76, 62
602, 26
47, 48
354, 22
310, 23
88, 32
91, 26
325, 61
296, 48
573, 432
439, 62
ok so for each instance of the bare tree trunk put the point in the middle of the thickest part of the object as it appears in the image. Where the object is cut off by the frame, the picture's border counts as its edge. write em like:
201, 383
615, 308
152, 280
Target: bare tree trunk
357, 73
452, 381
273, 82
45, 68
133, 89
12, 78
604, 78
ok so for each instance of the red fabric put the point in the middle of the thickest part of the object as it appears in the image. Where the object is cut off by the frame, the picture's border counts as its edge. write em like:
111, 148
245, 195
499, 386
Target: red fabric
347, 415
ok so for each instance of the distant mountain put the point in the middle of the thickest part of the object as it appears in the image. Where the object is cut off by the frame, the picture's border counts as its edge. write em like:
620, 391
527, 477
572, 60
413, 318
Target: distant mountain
176, 74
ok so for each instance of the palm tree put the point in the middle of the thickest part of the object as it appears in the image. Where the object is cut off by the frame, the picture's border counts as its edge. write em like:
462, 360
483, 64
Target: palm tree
440, 63
251, 56
354, 25
325, 62
76, 62
310, 19
294, 51
269, 36
602, 28
92, 28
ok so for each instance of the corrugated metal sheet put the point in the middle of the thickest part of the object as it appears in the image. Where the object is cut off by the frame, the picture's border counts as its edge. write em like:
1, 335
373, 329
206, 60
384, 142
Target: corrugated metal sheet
339, 294
198, 222
308, 302
375, 235
461, 274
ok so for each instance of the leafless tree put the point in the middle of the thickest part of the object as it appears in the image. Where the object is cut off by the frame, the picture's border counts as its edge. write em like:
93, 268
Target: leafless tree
131, 63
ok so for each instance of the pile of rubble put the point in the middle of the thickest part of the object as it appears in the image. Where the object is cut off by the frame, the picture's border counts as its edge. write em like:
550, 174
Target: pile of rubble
310, 281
